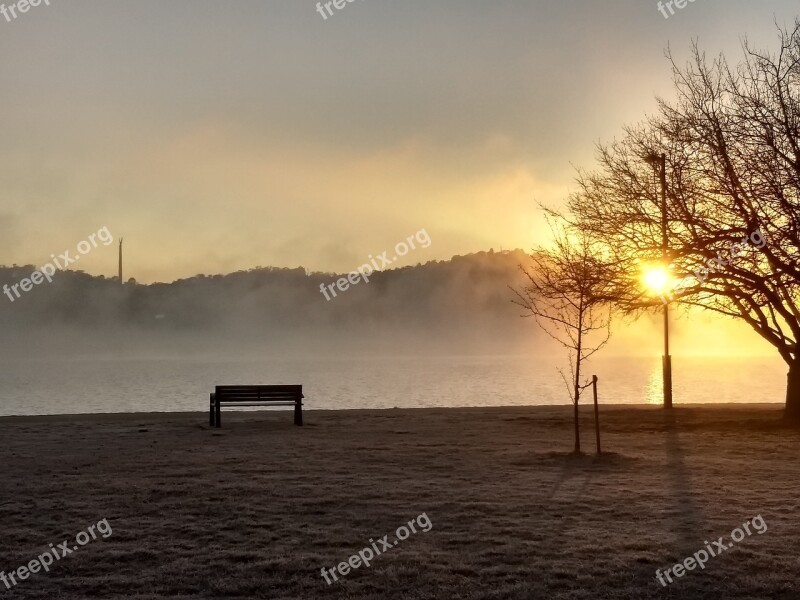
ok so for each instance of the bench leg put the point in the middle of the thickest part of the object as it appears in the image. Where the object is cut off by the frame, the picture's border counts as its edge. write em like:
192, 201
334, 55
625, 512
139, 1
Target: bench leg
298, 414
211, 411
219, 415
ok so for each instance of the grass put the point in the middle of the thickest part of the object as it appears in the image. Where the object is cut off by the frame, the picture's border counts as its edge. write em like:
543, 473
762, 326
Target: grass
257, 509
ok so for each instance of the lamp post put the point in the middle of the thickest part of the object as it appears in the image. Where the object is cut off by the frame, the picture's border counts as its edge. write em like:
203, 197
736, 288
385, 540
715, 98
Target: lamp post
659, 162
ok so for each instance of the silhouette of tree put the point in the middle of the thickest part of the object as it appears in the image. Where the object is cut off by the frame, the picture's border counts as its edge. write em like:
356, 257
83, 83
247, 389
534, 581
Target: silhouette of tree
732, 145
569, 297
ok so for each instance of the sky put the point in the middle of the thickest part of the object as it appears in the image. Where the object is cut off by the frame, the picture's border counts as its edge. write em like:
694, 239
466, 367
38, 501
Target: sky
225, 135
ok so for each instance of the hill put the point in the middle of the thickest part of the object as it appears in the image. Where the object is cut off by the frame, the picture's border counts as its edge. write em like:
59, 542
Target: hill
461, 303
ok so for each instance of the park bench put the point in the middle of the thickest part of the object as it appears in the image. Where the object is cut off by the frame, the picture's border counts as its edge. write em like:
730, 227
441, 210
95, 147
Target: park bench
255, 395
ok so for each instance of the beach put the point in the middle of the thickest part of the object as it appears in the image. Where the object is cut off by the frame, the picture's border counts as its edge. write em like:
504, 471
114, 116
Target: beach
258, 508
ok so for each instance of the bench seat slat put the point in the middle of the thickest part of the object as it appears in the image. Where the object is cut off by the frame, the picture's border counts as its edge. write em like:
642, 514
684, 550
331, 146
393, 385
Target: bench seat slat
237, 399
285, 389
265, 396
258, 404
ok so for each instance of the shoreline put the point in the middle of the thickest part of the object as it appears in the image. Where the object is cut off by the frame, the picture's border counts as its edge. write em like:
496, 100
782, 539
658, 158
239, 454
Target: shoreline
103, 416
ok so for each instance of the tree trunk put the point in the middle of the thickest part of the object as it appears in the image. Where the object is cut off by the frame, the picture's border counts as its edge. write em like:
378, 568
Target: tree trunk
792, 412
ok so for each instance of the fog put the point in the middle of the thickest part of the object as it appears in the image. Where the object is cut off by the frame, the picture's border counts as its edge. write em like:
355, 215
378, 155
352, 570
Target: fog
460, 306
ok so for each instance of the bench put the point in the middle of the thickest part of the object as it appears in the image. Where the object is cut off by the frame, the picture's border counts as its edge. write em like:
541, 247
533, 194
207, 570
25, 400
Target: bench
255, 395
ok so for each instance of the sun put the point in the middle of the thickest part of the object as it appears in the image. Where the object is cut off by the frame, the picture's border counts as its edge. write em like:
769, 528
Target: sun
657, 279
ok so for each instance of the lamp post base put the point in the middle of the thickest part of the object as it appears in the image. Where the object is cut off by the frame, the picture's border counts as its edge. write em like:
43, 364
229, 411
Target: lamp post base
666, 364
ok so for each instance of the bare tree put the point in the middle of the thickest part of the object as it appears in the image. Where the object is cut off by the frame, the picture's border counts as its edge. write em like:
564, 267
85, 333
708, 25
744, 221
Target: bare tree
732, 145
568, 296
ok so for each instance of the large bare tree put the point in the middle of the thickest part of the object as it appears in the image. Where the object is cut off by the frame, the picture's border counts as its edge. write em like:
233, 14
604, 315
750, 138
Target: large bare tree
731, 142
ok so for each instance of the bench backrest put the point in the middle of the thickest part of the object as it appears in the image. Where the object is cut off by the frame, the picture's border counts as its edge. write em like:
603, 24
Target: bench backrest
259, 393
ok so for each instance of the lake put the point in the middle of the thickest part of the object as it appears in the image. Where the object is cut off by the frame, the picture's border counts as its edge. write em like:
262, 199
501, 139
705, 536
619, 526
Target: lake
94, 385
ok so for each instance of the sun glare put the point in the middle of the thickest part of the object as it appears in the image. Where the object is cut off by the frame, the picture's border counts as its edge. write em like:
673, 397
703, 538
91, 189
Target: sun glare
656, 279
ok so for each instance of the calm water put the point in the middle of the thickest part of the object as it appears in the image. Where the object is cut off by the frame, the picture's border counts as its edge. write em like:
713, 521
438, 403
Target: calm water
107, 385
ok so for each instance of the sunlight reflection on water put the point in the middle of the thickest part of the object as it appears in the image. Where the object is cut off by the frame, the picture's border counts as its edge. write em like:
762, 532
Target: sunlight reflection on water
654, 391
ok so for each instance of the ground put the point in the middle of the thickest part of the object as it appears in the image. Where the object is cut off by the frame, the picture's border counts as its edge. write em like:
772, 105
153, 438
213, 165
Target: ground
257, 509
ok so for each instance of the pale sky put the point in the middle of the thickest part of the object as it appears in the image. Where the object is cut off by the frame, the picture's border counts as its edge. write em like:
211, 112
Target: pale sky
224, 135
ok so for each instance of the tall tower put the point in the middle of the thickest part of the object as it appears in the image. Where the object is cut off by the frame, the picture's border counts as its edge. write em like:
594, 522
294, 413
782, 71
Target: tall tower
120, 261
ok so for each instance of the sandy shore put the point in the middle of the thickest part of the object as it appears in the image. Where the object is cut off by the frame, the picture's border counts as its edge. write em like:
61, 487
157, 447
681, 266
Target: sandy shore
257, 509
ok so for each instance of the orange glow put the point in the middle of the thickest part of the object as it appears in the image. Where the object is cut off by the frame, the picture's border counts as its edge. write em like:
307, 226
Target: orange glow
657, 279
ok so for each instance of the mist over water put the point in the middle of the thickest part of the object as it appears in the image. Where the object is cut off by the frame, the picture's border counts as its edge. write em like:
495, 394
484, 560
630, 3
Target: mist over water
441, 334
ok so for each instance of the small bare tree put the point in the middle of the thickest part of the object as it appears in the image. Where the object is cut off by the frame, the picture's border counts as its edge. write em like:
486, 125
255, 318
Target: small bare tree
569, 296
